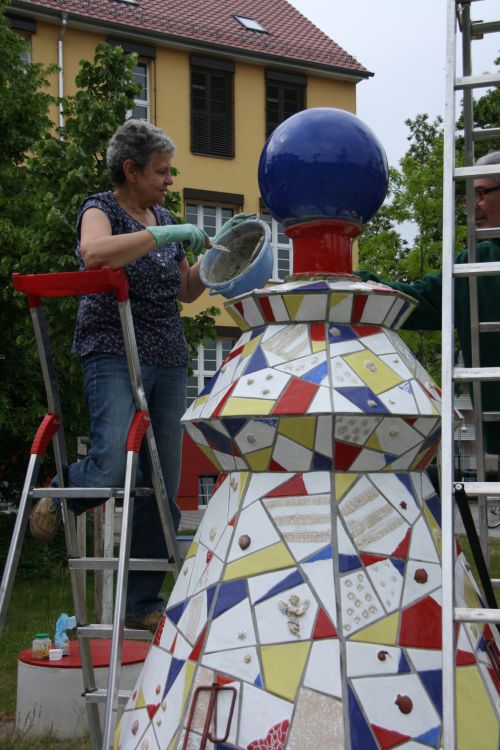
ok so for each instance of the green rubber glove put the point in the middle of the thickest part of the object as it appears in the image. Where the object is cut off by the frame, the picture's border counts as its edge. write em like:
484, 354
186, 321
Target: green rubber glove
232, 222
192, 237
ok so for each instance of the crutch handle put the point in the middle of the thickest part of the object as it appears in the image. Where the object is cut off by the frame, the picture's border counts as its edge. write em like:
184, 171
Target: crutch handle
71, 283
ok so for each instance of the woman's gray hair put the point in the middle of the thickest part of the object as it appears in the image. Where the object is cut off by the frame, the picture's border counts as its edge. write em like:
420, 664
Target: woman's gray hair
492, 158
137, 140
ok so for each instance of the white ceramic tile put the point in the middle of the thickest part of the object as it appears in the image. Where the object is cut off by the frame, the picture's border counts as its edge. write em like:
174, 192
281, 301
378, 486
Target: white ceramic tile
377, 697
195, 434
329, 681
303, 522
211, 404
396, 363
425, 425
368, 460
317, 482
320, 575
290, 455
167, 634
148, 740
262, 484
281, 620
260, 711
278, 307
388, 583
424, 403
393, 489
364, 659
378, 343
170, 717
422, 544
256, 524
343, 405
313, 307
132, 727
252, 313
338, 349
300, 367
194, 618
425, 659
396, 436
376, 308
153, 678
211, 574
343, 376
256, 434
414, 590
323, 442
215, 517
262, 384
291, 342
272, 330
341, 310
223, 543
242, 663
360, 603
394, 312
225, 460
355, 429
406, 461
259, 585
232, 629
237, 482
400, 400
181, 585
321, 403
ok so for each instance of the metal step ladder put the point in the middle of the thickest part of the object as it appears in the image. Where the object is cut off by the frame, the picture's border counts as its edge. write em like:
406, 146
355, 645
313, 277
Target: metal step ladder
104, 281
461, 27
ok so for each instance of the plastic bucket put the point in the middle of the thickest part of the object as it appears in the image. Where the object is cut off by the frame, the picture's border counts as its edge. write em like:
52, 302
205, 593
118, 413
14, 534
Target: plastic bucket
248, 265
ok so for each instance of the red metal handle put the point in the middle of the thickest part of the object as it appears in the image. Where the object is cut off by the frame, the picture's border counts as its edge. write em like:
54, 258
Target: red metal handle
71, 283
138, 429
49, 426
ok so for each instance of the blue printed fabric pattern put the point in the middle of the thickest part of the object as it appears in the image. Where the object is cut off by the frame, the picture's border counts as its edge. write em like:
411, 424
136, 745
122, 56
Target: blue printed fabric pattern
154, 283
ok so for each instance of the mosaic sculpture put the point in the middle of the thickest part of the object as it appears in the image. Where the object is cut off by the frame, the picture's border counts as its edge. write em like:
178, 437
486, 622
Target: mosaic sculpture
307, 613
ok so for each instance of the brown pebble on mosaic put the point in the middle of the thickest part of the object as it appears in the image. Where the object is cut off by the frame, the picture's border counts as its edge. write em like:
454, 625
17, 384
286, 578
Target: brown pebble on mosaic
404, 703
421, 575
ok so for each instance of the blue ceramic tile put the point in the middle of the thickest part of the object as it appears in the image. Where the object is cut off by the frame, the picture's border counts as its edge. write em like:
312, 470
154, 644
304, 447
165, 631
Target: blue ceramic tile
230, 594
294, 579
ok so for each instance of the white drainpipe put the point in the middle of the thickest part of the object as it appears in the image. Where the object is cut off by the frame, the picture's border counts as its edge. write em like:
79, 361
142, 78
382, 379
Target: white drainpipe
60, 63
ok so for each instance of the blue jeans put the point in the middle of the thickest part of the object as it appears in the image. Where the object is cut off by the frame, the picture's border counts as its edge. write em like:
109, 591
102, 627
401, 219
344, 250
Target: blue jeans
111, 406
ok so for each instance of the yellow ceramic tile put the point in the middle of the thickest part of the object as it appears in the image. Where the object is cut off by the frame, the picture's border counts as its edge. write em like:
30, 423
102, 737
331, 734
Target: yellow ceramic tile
259, 460
337, 298
344, 482
470, 594
189, 667
383, 631
238, 319
292, 304
251, 346
477, 725
433, 528
141, 701
192, 550
210, 455
244, 479
376, 374
373, 442
301, 430
200, 401
274, 557
283, 666
117, 735
318, 346
239, 406
173, 744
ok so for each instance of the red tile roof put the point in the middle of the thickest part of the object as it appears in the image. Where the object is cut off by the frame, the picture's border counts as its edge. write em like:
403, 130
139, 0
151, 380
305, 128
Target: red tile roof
291, 36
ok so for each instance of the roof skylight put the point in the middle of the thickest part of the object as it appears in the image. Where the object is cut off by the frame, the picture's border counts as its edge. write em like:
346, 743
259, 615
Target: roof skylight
251, 24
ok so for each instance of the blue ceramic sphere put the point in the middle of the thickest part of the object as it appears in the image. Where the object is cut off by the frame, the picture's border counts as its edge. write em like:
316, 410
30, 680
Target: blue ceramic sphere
323, 163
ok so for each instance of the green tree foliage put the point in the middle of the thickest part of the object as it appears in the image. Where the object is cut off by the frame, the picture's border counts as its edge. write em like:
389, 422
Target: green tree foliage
52, 170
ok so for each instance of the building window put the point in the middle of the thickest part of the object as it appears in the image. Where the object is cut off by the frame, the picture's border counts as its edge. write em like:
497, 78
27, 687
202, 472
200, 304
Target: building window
208, 218
141, 109
285, 96
26, 53
282, 248
206, 486
251, 24
210, 356
212, 107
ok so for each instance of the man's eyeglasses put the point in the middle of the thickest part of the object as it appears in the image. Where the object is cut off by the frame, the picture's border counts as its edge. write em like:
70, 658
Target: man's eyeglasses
480, 192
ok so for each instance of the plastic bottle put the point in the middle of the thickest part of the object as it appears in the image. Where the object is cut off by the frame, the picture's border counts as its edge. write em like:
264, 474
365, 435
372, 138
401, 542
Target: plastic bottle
40, 646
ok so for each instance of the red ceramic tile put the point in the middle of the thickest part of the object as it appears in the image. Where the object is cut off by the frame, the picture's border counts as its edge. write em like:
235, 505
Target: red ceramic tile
345, 454
421, 625
296, 397
387, 738
324, 627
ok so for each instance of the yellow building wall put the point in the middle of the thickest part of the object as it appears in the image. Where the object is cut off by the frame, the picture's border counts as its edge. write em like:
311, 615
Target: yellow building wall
170, 110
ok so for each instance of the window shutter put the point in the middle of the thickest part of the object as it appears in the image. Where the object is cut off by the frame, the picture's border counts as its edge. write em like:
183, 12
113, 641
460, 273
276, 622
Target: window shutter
212, 119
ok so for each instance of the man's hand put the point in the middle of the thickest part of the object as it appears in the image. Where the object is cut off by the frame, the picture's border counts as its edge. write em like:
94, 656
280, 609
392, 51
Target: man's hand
192, 237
